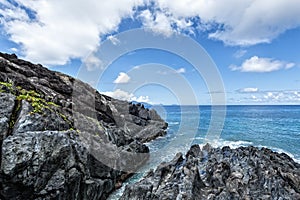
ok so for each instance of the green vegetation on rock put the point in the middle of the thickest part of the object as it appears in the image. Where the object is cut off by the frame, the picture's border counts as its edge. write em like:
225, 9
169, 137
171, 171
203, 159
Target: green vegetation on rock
38, 103
34, 98
6, 87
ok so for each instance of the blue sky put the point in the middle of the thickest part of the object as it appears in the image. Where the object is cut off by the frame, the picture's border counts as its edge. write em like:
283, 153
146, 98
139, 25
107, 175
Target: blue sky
254, 44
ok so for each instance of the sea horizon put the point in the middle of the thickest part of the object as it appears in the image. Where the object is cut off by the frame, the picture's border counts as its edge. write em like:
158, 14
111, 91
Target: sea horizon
263, 126
222, 105
273, 126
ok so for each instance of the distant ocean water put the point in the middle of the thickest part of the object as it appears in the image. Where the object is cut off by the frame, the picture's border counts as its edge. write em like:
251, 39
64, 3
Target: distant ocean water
274, 127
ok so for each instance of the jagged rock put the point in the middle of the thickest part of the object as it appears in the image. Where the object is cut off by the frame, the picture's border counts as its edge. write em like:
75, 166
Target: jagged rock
221, 173
28, 121
62, 139
7, 103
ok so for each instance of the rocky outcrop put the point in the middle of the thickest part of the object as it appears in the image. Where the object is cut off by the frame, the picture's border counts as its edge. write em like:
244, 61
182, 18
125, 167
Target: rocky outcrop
221, 173
61, 139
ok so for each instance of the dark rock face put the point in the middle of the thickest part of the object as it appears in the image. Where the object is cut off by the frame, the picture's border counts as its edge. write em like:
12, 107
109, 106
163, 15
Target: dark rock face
221, 173
61, 139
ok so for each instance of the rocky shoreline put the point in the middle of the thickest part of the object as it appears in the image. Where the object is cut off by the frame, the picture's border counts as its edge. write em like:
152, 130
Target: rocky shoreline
62, 139
221, 173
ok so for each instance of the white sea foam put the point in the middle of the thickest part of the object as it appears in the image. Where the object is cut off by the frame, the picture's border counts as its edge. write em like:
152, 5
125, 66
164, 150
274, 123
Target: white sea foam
231, 144
173, 123
240, 143
199, 138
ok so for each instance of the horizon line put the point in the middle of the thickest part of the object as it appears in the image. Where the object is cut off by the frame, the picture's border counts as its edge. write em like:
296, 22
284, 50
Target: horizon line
220, 104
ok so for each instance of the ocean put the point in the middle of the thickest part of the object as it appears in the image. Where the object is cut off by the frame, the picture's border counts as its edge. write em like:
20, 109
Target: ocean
275, 127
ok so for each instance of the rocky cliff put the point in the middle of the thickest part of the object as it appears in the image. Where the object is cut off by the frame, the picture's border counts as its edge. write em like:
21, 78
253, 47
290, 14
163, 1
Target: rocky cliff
61, 139
221, 173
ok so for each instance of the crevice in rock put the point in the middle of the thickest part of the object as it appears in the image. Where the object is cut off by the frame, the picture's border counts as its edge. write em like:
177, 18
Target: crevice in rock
1, 142
14, 116
11, 123
16, 189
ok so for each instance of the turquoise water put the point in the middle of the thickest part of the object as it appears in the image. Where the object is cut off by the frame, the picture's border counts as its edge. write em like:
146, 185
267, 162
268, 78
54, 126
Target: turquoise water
274, 127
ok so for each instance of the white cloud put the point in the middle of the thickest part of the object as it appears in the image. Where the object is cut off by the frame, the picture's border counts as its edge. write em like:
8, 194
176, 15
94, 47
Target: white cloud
122, 78
184, 24
180, 70
10, 12
290, 65
93, 63
248, 90
256, 64
163, 22
273, 97
67, 29
141, 99
136, 67
280, 96
119, 94
113, 40
240, 53
238, 22
158, 22
63, 29
167, 72
125, 96
14, 49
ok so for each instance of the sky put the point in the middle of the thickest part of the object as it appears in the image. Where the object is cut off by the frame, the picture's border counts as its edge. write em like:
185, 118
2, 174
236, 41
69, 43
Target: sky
164, 52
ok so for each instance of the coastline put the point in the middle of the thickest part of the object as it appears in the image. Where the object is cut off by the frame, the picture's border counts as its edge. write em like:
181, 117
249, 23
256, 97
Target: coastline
60, 138
140, 176
46, 145
220, 173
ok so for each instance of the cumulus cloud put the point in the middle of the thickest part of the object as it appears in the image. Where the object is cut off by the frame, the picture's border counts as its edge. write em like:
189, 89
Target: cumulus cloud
52, 32
122, 78
141, 99
125, 96
181, 70
113, 40
257, 64
273, 97
158, 22
93, 63
161, 21
241, 24
119, 94
247, 90
280, 96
